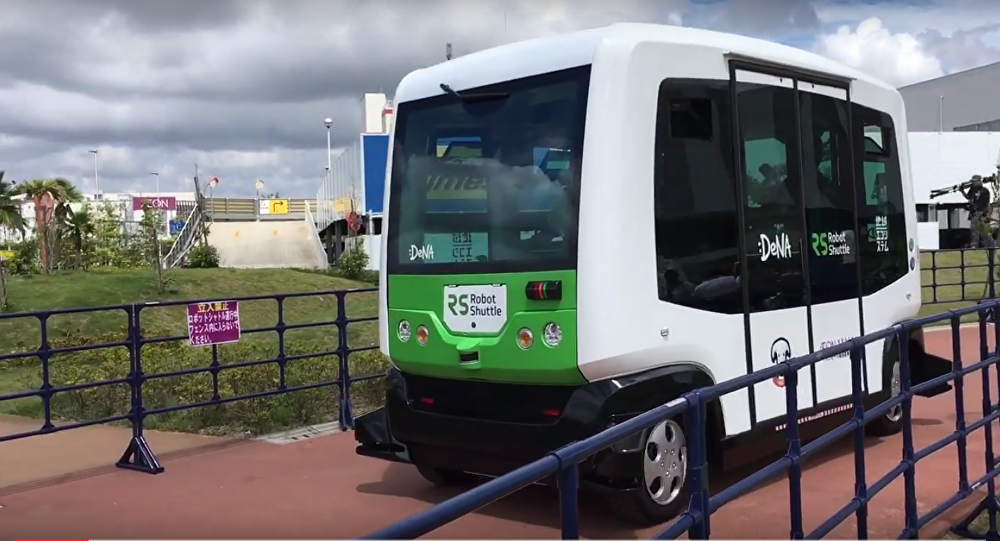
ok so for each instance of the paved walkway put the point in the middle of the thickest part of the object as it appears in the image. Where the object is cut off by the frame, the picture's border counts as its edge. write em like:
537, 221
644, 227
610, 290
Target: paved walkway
319, 489
76, 452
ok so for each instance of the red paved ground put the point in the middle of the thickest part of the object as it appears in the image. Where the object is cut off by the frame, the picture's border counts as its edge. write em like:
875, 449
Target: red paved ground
321, 489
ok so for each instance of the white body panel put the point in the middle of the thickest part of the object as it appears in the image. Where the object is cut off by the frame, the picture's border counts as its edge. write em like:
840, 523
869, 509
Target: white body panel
626, 329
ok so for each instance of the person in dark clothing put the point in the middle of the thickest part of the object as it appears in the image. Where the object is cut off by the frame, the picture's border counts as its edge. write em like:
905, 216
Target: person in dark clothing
979, 209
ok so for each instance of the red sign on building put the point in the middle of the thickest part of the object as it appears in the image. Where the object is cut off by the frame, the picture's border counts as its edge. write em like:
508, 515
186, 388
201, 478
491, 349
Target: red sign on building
154, 203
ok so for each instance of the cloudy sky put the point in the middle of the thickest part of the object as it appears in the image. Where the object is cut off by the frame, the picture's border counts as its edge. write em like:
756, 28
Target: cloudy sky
242, 86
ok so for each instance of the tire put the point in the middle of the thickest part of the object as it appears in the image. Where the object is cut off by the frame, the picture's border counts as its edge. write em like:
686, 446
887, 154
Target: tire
664, 489
892, 422
444, 477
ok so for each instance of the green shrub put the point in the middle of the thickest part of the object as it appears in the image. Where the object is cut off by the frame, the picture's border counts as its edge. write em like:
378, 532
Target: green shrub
250, 416
26, 257
203, 256
353, 263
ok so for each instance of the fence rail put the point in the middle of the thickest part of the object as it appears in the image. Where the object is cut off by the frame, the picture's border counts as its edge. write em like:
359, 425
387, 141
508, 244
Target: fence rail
136, 377
696, 521
969, 273
950, 276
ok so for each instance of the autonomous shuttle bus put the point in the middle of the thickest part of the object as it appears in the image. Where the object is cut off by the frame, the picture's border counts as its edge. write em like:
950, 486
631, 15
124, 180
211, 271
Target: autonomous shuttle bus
581, 228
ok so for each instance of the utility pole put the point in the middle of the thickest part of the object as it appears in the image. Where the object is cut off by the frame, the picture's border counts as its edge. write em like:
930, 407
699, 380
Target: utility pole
97, 182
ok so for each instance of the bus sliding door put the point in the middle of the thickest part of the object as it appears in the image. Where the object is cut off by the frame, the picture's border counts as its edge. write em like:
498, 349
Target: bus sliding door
775, 240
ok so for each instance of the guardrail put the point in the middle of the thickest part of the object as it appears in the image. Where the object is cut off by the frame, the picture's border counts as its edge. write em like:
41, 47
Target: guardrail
950, 276
186, 238
136, 378
249, 205
696, 521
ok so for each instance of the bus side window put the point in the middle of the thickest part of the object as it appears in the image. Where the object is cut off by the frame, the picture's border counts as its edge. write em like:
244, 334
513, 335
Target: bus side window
881, 217
697, 250
773, 216
830, 243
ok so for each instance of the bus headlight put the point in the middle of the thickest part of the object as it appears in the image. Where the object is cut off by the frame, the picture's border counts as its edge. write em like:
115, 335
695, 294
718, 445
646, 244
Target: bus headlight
552, 334
422, 335
403, 331
524, 338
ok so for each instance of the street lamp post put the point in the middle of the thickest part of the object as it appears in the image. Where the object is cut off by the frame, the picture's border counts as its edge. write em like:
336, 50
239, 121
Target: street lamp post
329, 157
157, 177
97, 182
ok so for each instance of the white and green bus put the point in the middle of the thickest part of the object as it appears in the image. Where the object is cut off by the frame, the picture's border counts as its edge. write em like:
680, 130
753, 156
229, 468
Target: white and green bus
581, 228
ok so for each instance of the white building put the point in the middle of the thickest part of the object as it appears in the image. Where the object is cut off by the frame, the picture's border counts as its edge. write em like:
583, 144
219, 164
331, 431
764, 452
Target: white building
123, 204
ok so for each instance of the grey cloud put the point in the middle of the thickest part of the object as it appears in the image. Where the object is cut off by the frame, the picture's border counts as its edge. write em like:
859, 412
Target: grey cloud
242, 86
239, 86
766, 17
963, 49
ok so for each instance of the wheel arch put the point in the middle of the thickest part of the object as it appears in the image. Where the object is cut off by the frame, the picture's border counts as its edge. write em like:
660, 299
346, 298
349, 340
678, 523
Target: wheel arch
641, 392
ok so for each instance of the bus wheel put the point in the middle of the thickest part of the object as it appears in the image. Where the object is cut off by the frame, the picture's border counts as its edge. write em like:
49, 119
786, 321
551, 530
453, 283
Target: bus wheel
444, 477
892, 422
664, 490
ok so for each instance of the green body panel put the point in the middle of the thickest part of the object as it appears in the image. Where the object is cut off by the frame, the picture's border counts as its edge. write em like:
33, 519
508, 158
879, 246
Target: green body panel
420, 300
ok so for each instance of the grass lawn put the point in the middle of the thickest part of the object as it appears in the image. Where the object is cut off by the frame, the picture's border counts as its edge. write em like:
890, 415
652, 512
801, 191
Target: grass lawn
21, 331
78, 290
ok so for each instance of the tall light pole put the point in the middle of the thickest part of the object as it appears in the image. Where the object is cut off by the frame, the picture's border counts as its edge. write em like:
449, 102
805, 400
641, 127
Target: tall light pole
97, 182
157, 176
329, 157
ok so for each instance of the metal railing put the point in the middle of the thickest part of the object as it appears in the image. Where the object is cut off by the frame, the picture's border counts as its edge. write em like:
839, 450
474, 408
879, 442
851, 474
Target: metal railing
696, 521
246, 208
322, 260
186, 238
137, 378
953, 276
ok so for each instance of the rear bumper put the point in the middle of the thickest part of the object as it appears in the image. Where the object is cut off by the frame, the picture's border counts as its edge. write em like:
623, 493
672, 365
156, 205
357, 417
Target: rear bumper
408, 431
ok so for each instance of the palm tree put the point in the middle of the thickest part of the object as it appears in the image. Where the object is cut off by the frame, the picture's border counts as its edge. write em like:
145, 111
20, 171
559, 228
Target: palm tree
49, 196
80, 226
10, 208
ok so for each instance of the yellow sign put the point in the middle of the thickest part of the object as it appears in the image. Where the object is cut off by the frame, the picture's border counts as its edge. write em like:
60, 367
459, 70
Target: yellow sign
6, 254
344, 204
212, 307
277, 206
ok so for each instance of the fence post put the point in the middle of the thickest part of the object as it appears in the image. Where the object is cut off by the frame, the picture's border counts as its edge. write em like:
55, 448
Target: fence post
696, 425
795, 454
280, 328
909, 458
44, 356
346, 416
569, 513
990, 268
137, 456
860, 481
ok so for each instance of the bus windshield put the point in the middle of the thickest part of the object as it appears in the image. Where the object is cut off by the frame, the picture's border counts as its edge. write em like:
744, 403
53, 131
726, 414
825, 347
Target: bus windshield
488, 185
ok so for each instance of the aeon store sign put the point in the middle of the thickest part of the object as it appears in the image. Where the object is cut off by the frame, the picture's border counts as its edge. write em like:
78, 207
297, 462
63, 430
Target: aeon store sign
154, 203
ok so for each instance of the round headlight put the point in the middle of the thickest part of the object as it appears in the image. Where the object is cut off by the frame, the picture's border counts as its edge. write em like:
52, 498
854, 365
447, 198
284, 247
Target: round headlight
552, 334
403, 331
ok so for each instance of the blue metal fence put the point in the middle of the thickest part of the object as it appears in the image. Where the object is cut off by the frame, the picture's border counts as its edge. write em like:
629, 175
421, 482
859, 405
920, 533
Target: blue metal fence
696, 521
958, 275
138, 455
958, 270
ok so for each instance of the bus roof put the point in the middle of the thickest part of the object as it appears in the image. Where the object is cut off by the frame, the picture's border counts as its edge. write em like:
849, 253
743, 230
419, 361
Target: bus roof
553, 53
